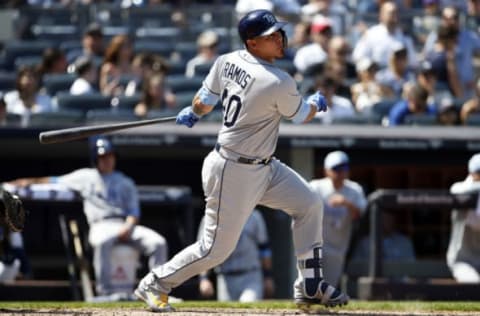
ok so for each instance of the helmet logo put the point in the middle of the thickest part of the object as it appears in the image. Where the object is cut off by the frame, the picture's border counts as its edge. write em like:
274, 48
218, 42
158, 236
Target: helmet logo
270, 18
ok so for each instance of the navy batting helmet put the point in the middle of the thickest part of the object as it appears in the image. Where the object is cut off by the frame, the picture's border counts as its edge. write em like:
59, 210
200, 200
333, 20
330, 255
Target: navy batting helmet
258, 23
100, 146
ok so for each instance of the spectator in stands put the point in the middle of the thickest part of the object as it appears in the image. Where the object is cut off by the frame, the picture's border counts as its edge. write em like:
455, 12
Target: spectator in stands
397, 73
344, 202
427, 78
207, 45
443, 60
144, 65
338, 54
379, 40
336, 11
117, 63
246, 275
315, 53
338, 107
155, 96
463, 253
468, 43
472, 106
27, 98
366, 92
415, 102
92, 44
112, 209
427, 22
300, 37
396, 246
53, 61
86, 77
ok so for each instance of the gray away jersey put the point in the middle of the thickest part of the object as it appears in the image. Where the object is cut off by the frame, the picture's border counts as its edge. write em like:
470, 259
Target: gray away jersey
255, 95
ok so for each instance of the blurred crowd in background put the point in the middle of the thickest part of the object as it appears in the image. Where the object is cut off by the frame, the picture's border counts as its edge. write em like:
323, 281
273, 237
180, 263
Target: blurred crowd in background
377, 62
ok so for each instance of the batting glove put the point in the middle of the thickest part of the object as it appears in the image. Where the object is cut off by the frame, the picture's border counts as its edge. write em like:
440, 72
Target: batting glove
319, 101
187, 117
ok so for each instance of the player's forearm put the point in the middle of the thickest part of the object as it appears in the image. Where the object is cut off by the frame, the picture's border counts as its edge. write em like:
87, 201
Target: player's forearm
311, 115
199, 108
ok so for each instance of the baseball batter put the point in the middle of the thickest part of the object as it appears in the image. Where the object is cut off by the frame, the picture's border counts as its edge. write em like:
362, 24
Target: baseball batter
112, 209
240, 172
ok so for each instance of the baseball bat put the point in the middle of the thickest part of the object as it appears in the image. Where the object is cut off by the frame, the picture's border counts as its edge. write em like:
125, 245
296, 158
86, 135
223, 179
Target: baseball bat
73, 133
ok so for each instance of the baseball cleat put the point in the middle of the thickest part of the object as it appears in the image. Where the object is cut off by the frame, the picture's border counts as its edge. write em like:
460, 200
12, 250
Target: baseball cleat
149, 293
326, 295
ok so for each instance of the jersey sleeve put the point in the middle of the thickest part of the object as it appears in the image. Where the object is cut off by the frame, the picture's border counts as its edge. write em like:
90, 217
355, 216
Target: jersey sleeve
74, 180
212, 81
288, 98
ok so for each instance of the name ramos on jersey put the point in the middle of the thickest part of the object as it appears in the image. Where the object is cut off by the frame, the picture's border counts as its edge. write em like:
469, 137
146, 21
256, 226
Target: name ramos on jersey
236, 74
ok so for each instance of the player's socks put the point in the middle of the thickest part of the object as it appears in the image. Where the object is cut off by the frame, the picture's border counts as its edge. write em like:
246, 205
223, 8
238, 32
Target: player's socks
310, 287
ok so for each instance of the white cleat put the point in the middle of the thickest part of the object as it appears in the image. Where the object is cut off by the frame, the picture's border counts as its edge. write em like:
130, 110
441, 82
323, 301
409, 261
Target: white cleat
156, 300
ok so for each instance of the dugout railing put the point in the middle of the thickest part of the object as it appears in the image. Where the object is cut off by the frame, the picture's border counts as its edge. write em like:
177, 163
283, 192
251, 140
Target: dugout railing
428, 279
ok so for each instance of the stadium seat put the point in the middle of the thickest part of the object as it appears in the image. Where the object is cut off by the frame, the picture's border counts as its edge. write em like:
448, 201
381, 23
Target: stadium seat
163, 49
55, 33
162, 34
55, 83
181, 83
161, 113
473, 119
58, 118
160, 16
7, 81
186, 50
126, 102
110, 115
83, 102
358, 119
203, 69
27, 61
382, 108
184, 98
15, 49
421, 119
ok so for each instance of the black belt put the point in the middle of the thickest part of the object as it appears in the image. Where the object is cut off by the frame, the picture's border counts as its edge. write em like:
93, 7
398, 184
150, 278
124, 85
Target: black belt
249, 161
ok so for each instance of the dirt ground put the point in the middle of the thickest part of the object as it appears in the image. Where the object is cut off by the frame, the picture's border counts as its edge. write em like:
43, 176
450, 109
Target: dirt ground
213, 312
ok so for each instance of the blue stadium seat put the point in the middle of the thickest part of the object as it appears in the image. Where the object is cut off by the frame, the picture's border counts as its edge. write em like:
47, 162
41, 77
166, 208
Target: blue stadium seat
83, 102
382, 108
56, 33
55, 83
163, 49
203, 69
15, 49
161, 113
58, 118
421, 119
110, 115
126, 102
27, 61
7, 81
184, 98
358, 119
473, 119
181, 83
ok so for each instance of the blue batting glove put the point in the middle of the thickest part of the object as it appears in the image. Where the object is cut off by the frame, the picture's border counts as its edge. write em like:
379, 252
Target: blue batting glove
319, 100
187, 117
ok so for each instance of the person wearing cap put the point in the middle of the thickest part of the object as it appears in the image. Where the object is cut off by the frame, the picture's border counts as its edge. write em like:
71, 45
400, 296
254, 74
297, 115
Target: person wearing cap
314, 53
463, 253
344, 202
112, 209
86, 77
207, 44
379, 40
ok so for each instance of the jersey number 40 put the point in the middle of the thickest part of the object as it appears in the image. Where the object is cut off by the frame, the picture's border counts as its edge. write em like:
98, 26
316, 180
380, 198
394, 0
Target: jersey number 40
231, 108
